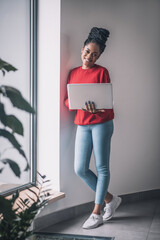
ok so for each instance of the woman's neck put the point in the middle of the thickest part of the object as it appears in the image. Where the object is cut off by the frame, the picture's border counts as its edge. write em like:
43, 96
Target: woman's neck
87, 68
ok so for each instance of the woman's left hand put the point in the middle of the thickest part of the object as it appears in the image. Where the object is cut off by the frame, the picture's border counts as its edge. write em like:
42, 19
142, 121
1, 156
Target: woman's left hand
90, 107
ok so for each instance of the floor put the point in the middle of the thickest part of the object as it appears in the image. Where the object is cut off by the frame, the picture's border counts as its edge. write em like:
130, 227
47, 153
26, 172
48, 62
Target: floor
132, 221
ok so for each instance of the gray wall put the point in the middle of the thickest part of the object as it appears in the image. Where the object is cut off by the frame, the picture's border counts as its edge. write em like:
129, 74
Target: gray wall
132, 58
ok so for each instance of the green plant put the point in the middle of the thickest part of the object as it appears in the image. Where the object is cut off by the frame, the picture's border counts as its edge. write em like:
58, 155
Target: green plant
18, 213
11, 124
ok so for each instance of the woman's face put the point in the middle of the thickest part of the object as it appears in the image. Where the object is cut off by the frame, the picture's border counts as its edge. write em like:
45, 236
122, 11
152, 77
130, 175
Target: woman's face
90, 54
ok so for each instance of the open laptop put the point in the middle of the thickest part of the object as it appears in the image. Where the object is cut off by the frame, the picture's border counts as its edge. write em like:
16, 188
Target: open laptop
99, 93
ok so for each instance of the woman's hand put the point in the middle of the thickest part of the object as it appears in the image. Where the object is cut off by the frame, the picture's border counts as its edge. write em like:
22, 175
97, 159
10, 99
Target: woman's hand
90, 107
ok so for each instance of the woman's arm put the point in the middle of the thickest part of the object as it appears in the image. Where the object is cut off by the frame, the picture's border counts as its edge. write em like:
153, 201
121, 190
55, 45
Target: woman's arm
90, 106
66, 102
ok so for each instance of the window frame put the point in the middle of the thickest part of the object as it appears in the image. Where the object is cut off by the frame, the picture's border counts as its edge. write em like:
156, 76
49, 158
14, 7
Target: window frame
33, 102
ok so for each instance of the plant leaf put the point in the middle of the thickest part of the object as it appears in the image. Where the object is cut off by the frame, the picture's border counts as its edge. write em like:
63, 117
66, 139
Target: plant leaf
10, 121
6, 208
6, 134
19, 206
30, 197
13, 165
15, 195
21, 201
47, 190
1, 170
46, 181
3, 117
27, 168
14, 123
17, 99
32, 191
10, 137
3, 72
42, 176
4, 66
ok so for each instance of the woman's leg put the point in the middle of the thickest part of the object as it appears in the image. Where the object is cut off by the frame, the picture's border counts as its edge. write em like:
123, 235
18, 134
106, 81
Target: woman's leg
83, 150
101, 136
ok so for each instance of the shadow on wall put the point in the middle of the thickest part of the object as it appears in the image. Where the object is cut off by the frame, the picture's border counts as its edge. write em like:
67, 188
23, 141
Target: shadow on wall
66, 60
68, 128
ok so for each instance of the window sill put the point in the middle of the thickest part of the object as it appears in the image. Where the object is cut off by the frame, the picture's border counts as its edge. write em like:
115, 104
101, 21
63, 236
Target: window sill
53, 197
56, 196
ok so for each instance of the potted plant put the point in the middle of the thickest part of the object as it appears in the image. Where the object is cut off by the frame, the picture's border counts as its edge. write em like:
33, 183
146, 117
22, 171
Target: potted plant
18, 212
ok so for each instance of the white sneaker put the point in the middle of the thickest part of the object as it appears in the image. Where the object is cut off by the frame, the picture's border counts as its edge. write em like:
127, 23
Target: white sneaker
93, 221
111, 207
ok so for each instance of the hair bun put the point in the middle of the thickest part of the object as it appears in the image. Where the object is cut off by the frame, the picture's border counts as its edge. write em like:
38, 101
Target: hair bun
99, 34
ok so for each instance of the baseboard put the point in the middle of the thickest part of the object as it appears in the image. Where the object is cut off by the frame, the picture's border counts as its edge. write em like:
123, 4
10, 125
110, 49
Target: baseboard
141, 196
63, 215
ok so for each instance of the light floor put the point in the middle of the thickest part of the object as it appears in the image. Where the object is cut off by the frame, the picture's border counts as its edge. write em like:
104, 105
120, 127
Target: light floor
132, 221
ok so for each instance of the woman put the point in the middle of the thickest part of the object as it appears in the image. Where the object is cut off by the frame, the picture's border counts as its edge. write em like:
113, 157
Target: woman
94, 130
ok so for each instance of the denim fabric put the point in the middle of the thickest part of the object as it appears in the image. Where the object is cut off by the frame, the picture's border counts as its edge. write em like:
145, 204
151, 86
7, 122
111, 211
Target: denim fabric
96, 137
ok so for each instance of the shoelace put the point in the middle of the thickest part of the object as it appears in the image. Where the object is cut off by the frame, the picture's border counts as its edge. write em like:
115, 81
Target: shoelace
107, 209
94, 217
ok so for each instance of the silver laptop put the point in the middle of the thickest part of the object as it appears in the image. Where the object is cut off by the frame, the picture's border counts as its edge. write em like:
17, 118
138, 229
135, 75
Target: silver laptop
99, 93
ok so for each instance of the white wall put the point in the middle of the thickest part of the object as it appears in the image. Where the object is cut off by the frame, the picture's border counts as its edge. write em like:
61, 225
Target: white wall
48, 89
132, 58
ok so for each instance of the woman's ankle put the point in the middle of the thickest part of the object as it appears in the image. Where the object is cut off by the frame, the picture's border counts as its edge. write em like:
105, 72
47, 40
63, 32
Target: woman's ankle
96, 212
108, 198
97, 209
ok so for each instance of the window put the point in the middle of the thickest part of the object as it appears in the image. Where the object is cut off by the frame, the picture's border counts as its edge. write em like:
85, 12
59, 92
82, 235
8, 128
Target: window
18, 46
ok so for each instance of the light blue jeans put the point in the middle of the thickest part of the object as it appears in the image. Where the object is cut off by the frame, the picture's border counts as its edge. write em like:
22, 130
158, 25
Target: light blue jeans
96, 137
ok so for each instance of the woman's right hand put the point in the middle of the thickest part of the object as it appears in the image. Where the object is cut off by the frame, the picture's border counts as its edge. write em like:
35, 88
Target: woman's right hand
90, 107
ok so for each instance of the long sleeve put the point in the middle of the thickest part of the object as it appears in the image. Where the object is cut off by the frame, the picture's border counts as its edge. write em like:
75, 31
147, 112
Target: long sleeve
66, 102
106, 77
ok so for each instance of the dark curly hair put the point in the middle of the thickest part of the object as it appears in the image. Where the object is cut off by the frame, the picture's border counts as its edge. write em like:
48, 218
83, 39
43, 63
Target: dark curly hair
98, 36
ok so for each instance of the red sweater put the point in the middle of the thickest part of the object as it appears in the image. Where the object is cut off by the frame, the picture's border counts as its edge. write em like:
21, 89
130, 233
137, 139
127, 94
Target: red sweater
96, 74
